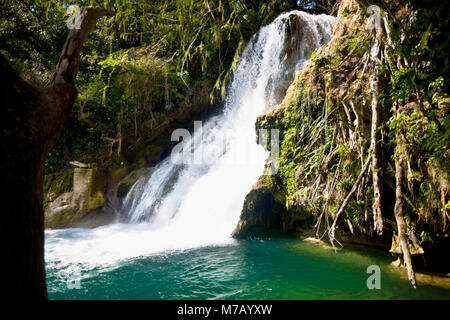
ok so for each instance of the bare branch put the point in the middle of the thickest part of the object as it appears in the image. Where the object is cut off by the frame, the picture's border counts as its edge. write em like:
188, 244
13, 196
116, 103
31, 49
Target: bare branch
67, 68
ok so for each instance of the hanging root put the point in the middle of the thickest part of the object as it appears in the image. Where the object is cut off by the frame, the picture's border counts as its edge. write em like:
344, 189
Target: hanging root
325, 207
332, 230
374, 138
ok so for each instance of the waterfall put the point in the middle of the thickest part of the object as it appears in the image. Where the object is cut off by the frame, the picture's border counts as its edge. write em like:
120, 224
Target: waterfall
267, 67
181, 206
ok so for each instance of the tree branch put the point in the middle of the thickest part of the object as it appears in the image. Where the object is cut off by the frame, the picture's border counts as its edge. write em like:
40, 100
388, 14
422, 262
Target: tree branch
67, 68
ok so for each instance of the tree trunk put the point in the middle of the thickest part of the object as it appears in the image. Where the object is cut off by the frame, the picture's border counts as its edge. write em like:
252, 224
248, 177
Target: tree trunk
398, 211
30, 120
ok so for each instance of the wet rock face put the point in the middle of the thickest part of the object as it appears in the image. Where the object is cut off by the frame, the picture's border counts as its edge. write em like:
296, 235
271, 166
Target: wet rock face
263, 209
86, 197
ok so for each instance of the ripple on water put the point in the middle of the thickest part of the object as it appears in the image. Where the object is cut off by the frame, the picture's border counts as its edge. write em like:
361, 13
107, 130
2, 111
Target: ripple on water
250, 269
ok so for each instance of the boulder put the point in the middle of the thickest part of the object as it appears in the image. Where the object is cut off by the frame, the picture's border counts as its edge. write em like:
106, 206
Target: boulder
263, 208
71, 206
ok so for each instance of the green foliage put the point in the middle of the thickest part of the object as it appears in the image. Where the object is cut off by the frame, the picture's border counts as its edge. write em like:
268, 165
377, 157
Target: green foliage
320, 63
424, 236
424, 82
415, 80
137, 67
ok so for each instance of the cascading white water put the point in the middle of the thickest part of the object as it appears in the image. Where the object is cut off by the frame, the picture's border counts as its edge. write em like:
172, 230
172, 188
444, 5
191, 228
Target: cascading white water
192, 205
263, 72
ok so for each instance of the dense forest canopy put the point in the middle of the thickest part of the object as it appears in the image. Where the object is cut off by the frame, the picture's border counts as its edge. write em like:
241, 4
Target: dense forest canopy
142, 63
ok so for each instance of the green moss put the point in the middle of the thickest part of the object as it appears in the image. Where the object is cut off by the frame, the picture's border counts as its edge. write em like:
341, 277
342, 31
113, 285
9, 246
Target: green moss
123, 188
114, 162
116, 175
95, 201
57, 184
321, 63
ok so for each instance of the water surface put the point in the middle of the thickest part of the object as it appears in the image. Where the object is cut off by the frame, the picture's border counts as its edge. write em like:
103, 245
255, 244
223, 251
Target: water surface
281, 268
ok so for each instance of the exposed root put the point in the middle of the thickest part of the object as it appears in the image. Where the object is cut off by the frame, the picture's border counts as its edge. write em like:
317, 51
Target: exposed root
374, 147
332, 230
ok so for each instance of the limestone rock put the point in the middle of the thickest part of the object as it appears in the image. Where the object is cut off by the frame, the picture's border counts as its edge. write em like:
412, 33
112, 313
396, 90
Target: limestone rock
395, 247
85, 197
263, 208
78, 164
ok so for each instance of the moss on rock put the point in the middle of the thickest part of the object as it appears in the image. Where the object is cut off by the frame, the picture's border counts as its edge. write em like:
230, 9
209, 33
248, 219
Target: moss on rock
123, 188
263, 208
86, 196
58, 183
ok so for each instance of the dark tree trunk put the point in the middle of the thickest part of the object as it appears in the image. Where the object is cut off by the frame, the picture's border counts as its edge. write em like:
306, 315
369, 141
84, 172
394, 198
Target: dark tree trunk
30, 120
